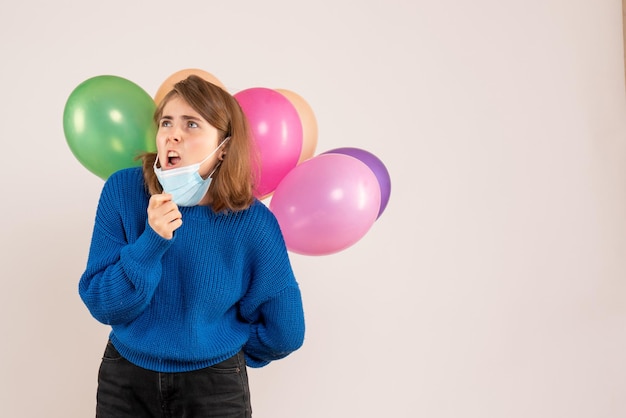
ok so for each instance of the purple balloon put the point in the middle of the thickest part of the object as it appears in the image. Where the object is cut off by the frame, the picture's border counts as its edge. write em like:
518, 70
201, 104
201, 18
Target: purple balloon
376, 165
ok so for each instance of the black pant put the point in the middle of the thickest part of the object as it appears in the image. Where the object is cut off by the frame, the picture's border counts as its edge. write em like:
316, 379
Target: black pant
126, 390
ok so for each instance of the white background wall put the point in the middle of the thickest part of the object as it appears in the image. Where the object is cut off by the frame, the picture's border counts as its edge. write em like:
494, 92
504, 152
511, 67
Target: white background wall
492, 286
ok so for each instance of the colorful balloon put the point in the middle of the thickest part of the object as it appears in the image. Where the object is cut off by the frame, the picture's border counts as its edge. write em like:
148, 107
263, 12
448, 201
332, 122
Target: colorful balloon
277, 132
108, 122
309, 123
377, 166
326, 204
169, 82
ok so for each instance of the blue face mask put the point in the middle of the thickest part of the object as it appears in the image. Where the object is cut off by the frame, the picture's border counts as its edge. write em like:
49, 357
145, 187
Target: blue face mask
185, 184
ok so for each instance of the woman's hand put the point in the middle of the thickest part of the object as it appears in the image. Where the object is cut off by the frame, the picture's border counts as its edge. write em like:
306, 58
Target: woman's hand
163, 215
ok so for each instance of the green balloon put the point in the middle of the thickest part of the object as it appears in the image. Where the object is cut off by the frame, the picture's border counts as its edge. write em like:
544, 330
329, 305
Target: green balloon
108, 122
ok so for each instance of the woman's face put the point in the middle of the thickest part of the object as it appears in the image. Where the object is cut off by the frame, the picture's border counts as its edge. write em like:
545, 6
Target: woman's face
184, 137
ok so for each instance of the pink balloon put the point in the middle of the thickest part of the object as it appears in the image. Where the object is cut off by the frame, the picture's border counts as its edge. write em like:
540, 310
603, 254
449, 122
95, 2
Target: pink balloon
376, 165
277, 132
326, 204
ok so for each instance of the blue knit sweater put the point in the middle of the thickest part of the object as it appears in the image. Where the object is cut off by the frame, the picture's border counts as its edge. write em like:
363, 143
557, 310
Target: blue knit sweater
222, 283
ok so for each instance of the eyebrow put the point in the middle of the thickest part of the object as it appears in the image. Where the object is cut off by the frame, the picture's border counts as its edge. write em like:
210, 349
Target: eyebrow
184, 117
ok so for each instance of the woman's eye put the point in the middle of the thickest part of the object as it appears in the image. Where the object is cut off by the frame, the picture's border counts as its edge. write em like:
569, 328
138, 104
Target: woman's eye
192, 125
166, 123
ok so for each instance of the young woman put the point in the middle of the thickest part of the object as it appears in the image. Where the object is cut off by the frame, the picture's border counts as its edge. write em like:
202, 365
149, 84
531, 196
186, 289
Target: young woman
189, 269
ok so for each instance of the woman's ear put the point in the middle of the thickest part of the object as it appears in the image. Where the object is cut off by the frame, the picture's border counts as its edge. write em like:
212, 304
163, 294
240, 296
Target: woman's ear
224, 148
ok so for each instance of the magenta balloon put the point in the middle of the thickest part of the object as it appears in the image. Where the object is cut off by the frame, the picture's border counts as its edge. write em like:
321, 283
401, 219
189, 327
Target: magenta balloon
277, 132
377, 166
326, 204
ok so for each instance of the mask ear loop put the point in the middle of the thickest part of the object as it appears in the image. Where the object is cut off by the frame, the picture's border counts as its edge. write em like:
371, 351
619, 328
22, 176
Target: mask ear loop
219, 162
156, 159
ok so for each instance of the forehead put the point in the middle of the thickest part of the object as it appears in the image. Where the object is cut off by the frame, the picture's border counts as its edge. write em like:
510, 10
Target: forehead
178, 107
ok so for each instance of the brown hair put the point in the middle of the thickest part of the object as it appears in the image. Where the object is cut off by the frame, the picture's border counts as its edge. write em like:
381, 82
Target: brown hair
232, 187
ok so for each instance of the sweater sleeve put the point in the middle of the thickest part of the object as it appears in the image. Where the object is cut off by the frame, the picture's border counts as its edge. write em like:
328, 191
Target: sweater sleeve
278, 330
273, 303
122, 271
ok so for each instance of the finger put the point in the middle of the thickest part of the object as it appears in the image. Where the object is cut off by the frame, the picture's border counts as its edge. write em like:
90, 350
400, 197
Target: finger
159, 199
175, 224
169, 223
160, 206
171, 213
